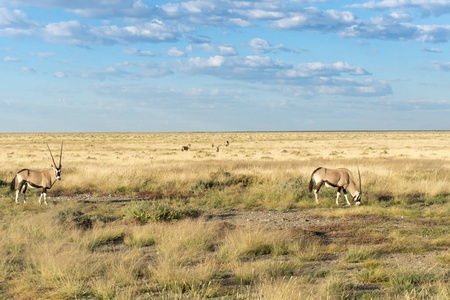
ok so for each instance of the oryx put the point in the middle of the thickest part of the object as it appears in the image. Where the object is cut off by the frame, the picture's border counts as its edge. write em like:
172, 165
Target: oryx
37, 179
340, 178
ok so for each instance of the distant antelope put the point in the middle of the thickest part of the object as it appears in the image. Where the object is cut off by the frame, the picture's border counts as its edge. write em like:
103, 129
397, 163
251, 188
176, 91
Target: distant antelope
37, 179
341, 178
185, 148
217, 147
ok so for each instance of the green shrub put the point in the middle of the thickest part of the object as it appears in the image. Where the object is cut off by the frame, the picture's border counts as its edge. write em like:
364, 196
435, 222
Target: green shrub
206, 185
145, 211
245, 180
357, 256
372, 276
407, 281
260, 249
342, 289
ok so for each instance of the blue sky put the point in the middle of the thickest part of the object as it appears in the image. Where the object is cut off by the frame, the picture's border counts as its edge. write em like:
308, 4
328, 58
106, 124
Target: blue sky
207, 65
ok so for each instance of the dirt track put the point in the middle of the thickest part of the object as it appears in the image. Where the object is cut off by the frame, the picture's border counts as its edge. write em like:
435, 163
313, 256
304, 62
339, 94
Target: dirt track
269, 219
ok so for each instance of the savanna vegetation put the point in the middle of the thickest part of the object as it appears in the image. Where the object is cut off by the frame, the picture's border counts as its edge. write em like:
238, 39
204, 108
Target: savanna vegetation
134, 217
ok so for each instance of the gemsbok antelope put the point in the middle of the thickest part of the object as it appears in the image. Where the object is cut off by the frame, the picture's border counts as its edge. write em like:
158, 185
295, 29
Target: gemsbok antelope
44, 179
220, 145
185, 148
341, 178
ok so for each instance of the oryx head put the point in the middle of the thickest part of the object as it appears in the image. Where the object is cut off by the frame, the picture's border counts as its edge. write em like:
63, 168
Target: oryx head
357, 197
54, 167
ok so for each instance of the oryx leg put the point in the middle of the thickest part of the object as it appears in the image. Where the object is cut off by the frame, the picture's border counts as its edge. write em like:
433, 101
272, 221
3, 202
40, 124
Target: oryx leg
316, 190
19, 188
24, 186
337, 195
346, 199
44, 193
17, 193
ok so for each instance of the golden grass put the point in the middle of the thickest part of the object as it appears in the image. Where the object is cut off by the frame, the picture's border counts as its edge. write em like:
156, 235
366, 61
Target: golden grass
42, 257
70, 250
394, 162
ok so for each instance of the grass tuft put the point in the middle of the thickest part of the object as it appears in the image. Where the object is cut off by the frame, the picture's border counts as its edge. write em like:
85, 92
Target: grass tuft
145, 211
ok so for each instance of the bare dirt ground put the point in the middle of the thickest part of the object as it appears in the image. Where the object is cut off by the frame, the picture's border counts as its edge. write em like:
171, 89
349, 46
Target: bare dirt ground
270, 219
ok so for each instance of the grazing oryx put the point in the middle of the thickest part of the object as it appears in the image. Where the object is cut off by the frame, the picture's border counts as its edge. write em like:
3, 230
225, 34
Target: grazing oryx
185, 148
217, 147
37, 179
340, 178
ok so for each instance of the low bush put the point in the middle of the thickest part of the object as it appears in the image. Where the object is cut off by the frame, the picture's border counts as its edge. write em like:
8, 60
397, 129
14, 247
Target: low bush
407, 281
145, 211
206, 185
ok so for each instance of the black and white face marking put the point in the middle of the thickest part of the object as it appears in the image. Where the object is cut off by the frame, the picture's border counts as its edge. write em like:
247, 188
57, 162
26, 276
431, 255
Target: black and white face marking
57, 173
357, 199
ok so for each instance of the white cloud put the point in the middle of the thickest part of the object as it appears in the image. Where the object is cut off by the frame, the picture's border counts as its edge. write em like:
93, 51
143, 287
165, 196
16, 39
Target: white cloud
186, 16
432, 50
199, 62
241, 22
318, 78
98, 74
426, 7
15, 23
443, 66
227, 50
11, 59
43, 55
318, 69
74, 32
60, 74
137, 52
387, 28
221, 49
27, 70
14, 18
175, 52
262, 46
91, 9
315, 19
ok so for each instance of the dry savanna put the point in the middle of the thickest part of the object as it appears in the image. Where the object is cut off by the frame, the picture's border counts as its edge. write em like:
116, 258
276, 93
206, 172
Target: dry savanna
135, 217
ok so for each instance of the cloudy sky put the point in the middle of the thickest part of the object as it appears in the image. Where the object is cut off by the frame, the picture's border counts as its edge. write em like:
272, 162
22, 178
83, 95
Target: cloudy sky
210, 65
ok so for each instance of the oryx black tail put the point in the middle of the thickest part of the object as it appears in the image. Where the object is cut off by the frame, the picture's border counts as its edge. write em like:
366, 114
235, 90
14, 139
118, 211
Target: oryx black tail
311, 182
13, 183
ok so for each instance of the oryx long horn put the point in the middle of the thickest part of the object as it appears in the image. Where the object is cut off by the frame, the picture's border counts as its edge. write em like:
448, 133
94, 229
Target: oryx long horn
359, 174
54, 164
60, 156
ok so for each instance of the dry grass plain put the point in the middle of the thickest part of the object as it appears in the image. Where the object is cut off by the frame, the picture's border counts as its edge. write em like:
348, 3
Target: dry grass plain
134, 217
